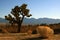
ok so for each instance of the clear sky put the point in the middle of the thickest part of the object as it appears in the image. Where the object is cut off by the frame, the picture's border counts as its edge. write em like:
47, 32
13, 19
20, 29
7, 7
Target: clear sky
38, 8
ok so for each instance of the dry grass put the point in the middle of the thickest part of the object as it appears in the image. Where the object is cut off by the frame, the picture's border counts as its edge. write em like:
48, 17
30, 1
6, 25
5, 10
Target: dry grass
13, 28
10, 33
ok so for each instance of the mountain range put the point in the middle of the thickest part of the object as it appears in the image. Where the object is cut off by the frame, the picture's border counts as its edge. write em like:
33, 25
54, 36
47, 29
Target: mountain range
35, 21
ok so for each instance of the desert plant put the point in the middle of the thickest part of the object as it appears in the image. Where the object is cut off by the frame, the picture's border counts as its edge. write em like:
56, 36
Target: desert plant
43, 24
17, 15
34, 32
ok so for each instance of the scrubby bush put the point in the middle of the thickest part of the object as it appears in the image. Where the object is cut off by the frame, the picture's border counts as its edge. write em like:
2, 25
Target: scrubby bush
34, 32
29, 32
45, 31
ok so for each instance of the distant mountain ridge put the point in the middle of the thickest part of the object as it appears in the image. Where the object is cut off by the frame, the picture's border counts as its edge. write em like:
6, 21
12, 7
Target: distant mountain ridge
35, 21
41, 21
2, 20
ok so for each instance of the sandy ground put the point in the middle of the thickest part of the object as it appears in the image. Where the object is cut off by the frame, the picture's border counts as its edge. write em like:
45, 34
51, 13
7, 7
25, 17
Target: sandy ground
55, 37
20, 36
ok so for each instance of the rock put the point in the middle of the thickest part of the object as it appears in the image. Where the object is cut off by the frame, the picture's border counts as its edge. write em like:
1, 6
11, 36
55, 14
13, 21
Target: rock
45, 31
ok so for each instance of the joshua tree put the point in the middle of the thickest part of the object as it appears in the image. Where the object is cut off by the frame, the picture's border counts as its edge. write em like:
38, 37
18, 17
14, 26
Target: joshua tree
17, 15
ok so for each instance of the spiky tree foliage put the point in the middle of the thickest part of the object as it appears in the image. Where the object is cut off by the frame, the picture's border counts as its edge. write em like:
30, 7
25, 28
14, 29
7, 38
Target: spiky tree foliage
17, 15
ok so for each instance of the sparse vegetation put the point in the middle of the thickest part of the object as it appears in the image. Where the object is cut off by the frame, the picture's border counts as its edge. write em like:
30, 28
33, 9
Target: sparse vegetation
24, 29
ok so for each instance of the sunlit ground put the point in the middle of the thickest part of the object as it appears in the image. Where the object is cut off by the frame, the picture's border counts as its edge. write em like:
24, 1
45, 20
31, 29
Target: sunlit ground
26, 37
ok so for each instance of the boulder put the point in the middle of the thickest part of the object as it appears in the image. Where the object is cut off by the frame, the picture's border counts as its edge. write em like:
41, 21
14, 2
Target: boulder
45, 31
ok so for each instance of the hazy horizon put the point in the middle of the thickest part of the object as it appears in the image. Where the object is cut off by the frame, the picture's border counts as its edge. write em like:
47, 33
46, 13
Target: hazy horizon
38, 8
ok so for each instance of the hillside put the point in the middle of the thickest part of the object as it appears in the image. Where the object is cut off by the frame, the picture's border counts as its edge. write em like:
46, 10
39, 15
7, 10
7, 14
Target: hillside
36, 21
41, 21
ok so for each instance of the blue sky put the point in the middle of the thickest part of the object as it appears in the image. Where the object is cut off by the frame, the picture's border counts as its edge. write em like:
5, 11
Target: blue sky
38, 8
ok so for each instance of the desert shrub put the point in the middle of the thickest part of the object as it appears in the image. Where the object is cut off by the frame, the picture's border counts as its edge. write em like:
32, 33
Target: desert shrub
56, 28
44, 24
34, 32
56, 31
45, 31
1, 31
29, 32
11, 28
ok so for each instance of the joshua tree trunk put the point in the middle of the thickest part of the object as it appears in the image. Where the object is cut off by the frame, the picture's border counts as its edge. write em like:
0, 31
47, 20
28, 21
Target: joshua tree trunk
19, 26
20, 23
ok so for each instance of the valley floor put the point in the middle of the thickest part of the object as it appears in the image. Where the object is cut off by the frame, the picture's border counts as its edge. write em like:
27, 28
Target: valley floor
18, 36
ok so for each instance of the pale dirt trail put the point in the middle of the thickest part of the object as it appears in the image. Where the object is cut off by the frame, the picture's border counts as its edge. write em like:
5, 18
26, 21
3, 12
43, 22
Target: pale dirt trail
18, 36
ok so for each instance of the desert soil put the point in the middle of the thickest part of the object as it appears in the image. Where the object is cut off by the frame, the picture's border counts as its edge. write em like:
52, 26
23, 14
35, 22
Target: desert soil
25, 37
